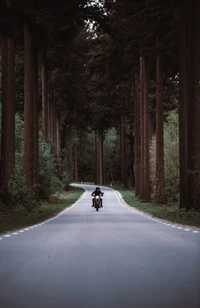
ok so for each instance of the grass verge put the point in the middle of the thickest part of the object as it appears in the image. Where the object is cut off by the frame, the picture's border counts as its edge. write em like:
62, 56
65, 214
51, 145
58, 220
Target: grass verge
169, 213
20, 217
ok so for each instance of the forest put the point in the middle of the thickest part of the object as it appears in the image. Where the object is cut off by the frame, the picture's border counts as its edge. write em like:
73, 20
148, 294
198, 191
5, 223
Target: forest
105, 92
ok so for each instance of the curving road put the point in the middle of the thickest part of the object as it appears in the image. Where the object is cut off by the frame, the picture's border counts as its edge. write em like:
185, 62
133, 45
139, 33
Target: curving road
114, 258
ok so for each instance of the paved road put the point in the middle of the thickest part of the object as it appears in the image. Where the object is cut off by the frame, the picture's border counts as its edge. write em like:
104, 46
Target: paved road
114, 258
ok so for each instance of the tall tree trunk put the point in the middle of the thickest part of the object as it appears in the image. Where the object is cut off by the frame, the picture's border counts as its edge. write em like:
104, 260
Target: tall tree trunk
100, 159
8, 112
137, 135
35, 124
28, 107
70, 151
194, 107
51, 121
160, 175
132, 157
58, 145
142, 77
54, 127
125, 154
75, 163
122, 147
44, 102
183, 103
146, 133
48, 118
96, 159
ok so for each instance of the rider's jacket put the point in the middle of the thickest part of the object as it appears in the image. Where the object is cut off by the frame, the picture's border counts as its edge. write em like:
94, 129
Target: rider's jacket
97, 193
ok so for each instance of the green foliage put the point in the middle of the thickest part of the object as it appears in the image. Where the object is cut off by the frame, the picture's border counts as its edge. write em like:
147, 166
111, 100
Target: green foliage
19, 141
53, 175
171, 158
171, 148
19, 192
45, 169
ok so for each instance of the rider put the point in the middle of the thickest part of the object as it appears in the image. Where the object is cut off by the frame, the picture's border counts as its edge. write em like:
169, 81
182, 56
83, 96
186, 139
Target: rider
97, 192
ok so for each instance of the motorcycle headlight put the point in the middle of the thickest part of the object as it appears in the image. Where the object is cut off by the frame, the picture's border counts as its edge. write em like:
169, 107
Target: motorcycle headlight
97, 197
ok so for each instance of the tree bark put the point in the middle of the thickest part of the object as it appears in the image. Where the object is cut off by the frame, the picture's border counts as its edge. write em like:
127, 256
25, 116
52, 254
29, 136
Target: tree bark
193, 107
44, 102
54, 128
75, 163
183, 103
142, 76
125, 154
28, 108
132, 157
8, 112
122, 148
58, 145
70, 149
160, 176
48, 119
137, 135
97, 159
35, 125
51, 121
146, 188
100, 159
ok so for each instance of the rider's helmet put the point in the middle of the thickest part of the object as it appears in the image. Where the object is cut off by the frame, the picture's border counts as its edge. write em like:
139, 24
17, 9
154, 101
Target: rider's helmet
97, 188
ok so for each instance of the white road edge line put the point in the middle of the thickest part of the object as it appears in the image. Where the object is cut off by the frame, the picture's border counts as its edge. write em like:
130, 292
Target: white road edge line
146, 215
48, 220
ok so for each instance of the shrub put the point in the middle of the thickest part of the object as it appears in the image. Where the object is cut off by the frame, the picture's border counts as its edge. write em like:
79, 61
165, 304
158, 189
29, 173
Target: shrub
171, 158
53, 175
19, 192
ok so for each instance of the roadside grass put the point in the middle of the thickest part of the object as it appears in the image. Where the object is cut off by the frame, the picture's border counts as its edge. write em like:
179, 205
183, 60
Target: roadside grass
19, 217
170, 213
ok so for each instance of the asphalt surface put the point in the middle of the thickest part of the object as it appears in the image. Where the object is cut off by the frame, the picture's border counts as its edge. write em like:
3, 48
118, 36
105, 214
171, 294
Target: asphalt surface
114, 258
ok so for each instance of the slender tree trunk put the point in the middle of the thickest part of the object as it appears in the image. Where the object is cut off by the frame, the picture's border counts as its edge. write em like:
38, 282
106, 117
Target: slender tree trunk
4, 61
122, 148
137, 135
160, 175
97, 159
183, 103
49, 118
28, 107
54, 127
36, 124
194, 107
75, 163
132, 157
125, 154
44, 102
100, 159
146, 134
8, 111
51, 121
142, 76
70, 150
58, 147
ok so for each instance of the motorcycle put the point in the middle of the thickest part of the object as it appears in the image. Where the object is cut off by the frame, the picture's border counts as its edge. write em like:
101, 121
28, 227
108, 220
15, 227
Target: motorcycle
97, 202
